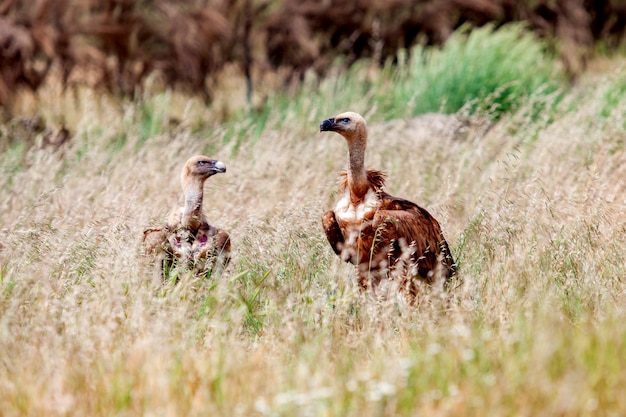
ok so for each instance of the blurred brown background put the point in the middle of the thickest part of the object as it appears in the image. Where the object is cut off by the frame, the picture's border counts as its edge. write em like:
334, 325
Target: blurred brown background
116, 44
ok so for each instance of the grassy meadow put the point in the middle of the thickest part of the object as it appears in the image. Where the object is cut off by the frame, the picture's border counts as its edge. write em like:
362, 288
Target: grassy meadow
526, 174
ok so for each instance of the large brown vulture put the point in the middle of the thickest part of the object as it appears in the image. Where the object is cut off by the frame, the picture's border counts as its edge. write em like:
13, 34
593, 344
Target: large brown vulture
386, 237
187, 236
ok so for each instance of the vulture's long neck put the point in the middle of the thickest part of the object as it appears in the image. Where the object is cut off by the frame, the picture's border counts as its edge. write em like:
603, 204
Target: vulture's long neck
357, 174
192, 215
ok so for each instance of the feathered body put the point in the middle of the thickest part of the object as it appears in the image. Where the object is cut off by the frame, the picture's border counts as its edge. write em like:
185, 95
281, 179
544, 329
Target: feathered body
188, 236
386, 237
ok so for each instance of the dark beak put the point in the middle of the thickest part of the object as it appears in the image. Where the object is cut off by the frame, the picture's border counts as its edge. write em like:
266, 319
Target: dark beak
327, 124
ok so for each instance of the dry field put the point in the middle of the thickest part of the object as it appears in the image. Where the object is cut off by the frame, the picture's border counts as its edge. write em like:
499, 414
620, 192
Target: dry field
534, 211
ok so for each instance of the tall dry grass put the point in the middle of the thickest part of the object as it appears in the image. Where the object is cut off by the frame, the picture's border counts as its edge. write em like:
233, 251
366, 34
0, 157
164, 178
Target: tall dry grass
533, 208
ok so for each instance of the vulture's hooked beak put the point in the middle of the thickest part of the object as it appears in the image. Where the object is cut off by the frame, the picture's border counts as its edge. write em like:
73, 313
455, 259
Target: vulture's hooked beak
327, 125
219, 166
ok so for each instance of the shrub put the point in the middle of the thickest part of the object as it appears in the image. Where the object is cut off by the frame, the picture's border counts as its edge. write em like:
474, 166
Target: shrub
483, 69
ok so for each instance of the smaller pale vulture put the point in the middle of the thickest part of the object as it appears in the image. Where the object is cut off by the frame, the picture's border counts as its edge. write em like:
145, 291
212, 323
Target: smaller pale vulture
188, 238
386, 237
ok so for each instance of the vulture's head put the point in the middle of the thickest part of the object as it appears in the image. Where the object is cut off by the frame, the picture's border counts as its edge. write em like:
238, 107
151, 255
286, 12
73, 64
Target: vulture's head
201, 167
349, 125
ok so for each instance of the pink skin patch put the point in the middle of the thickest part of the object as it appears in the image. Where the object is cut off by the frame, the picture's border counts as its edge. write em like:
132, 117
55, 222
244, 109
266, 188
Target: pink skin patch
202, 239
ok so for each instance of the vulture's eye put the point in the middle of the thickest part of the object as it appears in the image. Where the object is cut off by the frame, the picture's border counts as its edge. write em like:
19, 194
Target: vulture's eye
345, 120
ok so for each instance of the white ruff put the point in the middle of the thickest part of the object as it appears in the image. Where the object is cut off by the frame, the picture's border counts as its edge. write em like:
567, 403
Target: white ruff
346, 211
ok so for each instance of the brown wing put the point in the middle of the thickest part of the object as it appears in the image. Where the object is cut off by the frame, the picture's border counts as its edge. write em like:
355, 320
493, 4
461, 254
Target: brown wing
333, 231
154, 239
405, 228
222, 243
213, 245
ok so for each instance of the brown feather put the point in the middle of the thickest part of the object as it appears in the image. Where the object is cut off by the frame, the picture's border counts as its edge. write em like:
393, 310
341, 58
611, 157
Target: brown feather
376, 179
154, 239
397, 240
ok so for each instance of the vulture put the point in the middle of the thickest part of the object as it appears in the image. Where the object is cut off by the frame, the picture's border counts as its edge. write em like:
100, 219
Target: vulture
386, 237
187, 237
